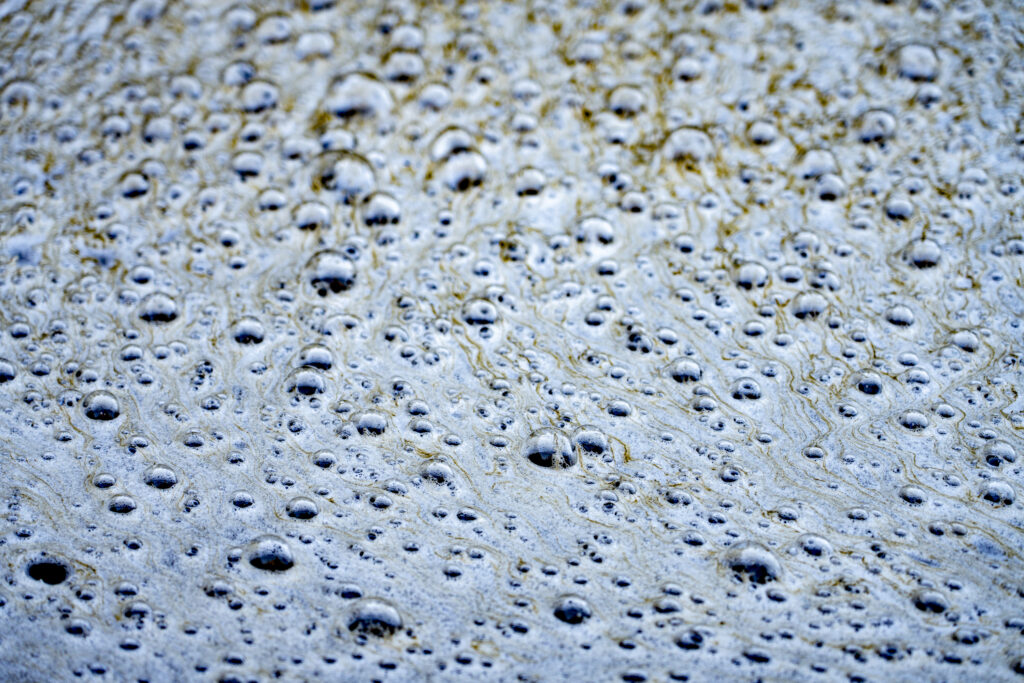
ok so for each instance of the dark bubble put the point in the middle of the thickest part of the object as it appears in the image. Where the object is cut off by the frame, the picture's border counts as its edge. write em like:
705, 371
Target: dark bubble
47, 570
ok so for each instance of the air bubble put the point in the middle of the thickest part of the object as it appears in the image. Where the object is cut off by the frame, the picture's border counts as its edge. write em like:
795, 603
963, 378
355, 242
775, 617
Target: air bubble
270, 553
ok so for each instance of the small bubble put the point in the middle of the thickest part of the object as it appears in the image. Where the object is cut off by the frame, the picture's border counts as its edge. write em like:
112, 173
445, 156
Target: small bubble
753, 562
572, 609
374, 617
101, 405
549, 448
270, 553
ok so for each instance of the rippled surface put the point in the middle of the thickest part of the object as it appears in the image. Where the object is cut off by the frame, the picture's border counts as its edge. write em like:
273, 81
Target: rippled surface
619, 340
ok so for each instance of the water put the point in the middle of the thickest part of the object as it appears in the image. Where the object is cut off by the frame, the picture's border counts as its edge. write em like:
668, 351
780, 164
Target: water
547, 341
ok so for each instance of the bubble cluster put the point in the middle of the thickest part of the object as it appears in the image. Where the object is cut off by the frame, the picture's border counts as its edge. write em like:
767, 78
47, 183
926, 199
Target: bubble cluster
402, 340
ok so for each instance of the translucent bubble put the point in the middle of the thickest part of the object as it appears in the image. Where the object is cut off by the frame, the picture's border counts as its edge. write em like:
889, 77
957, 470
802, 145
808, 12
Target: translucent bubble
373, 617
688, 146
311, 216
158, 308
358, 95
307, 382
549, 448
997, 492
330, 272
301, 507
347, 174
121, 504
270, 553
101, 405
753, 562
922, 253
479, 312
248, 330
161, 477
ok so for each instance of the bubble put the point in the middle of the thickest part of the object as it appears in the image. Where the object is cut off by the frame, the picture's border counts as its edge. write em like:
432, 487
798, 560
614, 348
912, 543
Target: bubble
121, 504
324, 459
930, 601
158, 308
101, 405
595, 230
997, 452
463, 171
48, 570
270, 553
358, 95
688, 146
762, 132
869, 383
258, 96
316, 356
370, 423
479, 312
746, 388
7, 371
816, 163
590, 440
347, 174
752, 275
966, 340
549, 448
529, 182
381, 209
330, 272
913, 420
876, 125
374, 617
918, 63
691, 639
248, 331
301, 507
809, 305
753, 562
626, 101
685, 370
922, 254
997, 492
900, 316
307, 382
912, 494
437, 472
572, 609
160, 477
815, 546
242, 499
311, 216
